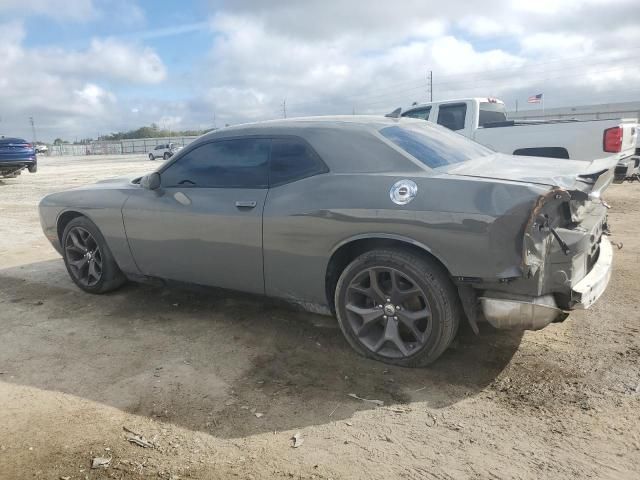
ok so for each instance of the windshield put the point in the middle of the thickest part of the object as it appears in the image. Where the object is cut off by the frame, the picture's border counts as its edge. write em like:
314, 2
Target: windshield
434, 146
491, 112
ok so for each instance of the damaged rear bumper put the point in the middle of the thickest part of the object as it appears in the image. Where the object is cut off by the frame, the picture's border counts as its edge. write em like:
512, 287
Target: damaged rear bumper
534, 313
590, 288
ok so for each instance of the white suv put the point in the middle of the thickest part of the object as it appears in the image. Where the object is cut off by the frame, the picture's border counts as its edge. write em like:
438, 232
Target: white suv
165, 150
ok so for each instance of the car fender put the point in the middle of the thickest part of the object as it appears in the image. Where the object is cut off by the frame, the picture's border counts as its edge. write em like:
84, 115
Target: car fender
388, 236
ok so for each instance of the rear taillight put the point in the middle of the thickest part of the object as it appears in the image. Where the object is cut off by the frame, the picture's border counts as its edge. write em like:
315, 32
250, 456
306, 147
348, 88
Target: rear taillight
28, 145
612, 140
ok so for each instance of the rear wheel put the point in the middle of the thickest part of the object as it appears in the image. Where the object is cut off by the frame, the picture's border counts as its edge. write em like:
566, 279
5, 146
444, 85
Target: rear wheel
151, 157
88, 259
397, 307
33, 168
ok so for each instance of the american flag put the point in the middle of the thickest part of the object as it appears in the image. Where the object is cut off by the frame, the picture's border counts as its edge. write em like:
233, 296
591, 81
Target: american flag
535, 98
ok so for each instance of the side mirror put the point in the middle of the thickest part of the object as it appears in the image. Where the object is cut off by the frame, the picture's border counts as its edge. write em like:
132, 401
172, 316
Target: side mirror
151, 181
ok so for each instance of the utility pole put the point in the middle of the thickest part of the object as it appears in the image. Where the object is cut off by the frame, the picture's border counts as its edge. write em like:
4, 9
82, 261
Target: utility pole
431, 85
33, 129
516, 105
215, 127
284, 108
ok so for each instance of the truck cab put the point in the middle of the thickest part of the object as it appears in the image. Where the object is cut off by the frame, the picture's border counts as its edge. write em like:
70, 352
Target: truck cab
462, 116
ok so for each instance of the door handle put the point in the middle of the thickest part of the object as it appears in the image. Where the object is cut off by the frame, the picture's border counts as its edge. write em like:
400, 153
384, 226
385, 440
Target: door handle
246, 204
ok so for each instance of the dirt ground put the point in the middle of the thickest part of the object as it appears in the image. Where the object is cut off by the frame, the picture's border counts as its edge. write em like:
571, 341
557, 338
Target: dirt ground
219, 383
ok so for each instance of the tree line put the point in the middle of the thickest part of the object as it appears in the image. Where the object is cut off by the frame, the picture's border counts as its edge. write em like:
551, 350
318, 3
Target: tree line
151, 131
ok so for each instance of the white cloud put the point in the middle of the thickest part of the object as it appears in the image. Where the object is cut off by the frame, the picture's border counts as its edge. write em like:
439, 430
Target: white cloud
483, 26
322, 56
68, 92
556, 45
377, 57
94, 96
78, 10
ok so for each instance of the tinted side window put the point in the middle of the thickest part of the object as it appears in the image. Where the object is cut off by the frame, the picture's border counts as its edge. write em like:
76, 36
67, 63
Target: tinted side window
240, 163
292, 159
452, 116
422, 113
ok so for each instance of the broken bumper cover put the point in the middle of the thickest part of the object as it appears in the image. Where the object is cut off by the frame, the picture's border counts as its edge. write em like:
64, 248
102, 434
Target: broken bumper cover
537, 312
590, 288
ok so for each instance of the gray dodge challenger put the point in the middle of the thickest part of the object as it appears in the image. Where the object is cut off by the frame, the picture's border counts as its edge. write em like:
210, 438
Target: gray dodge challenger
398, 227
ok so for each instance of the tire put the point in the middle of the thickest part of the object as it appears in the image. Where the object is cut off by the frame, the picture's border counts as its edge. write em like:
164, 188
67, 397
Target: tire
33, 168
418, 342
151, 157
166, 155
110, 278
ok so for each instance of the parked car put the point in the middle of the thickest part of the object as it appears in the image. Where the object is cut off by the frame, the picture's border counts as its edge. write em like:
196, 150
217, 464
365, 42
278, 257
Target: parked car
41, 148
399, 227
485, 121
16, 154
165, 151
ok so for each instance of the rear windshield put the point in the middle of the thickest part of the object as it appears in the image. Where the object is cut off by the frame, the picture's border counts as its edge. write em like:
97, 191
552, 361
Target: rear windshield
434, 146
491, 113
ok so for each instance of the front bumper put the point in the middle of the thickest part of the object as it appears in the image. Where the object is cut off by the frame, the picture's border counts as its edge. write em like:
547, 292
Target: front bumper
534, 313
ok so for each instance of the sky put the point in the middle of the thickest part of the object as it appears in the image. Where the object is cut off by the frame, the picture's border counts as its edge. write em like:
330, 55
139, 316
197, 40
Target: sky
83, 68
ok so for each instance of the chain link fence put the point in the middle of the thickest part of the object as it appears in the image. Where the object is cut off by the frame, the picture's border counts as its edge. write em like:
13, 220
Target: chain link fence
119, 147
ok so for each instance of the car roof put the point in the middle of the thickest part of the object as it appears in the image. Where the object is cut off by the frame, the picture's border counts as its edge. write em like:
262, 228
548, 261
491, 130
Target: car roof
346, 143
12, 140
370, 122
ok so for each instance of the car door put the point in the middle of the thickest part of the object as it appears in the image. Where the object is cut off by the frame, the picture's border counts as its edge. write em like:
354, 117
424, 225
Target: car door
204, 224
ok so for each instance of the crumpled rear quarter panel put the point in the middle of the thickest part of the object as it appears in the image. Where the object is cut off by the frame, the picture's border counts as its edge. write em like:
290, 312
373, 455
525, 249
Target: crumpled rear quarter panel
473, 226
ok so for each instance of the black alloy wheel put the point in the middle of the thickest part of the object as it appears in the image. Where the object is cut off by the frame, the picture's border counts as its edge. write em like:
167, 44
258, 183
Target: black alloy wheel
89, 261
397, 306
83, 256
388, 312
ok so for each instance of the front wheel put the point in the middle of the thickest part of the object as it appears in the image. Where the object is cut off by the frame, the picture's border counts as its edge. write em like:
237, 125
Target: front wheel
166, 155
151, 157
89, 261
397, 307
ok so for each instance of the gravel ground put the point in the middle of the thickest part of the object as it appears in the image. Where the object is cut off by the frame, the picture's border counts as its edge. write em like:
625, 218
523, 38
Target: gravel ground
219, 383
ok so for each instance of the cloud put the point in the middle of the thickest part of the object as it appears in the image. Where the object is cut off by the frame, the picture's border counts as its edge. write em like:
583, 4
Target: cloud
77, 10
76, 93
319, 57
330, 56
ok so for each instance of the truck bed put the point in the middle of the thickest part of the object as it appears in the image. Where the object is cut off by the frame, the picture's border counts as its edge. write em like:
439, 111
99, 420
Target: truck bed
574, 139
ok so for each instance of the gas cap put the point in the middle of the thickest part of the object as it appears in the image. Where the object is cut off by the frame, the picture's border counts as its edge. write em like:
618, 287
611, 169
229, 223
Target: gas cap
403, 191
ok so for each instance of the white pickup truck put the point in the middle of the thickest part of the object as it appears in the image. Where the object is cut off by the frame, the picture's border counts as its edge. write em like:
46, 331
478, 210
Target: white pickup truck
485, 121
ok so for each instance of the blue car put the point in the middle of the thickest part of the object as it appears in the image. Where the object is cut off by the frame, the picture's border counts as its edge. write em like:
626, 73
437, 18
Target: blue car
16, 154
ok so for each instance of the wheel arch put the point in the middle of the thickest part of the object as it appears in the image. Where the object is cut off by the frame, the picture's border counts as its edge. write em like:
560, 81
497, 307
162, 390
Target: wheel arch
64, 218
347, 250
